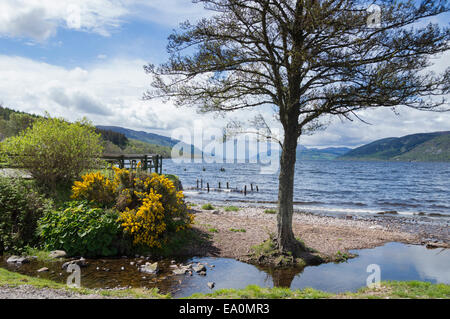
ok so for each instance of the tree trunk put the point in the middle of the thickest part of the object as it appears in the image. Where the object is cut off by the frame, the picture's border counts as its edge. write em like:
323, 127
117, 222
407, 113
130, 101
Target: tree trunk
285, 237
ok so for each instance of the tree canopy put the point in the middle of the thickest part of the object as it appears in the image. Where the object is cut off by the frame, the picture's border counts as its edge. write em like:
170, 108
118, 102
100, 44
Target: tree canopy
307, 59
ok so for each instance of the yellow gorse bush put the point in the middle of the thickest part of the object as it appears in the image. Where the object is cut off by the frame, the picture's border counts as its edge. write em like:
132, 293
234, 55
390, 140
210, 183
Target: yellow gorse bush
95, 188
149, 204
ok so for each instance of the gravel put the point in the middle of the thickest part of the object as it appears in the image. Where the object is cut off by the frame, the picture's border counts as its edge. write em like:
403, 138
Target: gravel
30, 292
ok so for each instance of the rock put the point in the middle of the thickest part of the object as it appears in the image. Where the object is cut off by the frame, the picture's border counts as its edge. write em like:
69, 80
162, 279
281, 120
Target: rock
18, 260
391, 212
42, 269
132, 263
57, 254
199, 268
202, 273
122, 268
80, 262
180, 271
149, 268
211, 285
216, 212
432, 245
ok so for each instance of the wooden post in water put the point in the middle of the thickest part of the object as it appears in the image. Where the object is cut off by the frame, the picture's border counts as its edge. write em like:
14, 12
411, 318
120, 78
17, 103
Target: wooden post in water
245, 190
228, 186
201, 183
207, 185
251, 186
219, 185
257, 189
197, 183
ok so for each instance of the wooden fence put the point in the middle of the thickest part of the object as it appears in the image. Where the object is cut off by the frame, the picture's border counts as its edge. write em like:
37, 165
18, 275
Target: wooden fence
148, 162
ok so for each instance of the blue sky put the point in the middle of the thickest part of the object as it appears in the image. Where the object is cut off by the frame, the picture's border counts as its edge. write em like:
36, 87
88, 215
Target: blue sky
76, 58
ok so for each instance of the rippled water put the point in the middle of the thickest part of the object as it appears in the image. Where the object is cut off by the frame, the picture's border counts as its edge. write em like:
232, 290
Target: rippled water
396, 261
328, 186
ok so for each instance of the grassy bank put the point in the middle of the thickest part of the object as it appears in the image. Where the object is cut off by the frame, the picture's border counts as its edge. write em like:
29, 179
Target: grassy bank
393, 290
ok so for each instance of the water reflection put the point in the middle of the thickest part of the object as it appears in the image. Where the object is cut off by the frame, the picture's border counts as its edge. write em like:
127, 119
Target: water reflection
397, 262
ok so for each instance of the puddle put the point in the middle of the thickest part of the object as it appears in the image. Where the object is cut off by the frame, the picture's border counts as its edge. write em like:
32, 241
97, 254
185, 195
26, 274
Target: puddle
397, 262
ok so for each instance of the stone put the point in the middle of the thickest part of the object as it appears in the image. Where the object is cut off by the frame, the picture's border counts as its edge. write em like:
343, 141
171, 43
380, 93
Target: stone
211, 285
57, 254
18, 260
42, 269
199, 268
180, 270
80, 262
202, 273
149, 268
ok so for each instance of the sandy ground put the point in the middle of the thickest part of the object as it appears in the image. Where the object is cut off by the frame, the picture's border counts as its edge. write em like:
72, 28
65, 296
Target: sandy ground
327, 235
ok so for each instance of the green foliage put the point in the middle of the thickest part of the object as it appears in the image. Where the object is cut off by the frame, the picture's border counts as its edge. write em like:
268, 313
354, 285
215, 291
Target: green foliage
81, 230
208, 207
116, 138
238, 230
231, 209
20, 209
270, 211
13, 122
55, 151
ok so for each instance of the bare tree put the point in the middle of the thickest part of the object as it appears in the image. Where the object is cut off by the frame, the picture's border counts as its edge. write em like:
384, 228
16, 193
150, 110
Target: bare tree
309, 59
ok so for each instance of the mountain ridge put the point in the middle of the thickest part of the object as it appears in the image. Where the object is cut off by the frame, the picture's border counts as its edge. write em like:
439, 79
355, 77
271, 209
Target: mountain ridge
426, 147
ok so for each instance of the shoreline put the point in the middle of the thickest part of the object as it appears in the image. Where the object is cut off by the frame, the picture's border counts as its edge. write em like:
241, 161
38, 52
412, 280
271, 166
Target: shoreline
233, 233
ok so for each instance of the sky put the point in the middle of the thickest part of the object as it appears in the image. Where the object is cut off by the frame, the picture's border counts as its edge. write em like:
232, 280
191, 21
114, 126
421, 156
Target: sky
77, 58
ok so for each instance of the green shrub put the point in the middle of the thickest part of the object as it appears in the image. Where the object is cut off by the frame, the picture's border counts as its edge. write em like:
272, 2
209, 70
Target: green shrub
81, 230
20, 209
151, 209
231, 209
55, 151
270, 211
208, 207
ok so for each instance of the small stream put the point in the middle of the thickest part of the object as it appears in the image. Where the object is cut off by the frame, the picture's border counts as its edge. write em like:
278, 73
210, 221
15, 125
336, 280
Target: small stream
397, 262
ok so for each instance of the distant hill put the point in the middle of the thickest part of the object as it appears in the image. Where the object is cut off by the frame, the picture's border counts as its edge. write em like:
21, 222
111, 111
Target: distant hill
142, 136
426, 147
330, 153
166, 143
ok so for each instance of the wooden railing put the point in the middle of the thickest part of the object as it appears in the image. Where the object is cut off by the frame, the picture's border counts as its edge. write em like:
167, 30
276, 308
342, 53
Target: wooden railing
147, 161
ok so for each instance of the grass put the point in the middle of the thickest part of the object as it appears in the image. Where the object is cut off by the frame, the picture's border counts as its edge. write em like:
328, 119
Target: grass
213, 230
388, 289
238, 230
208, 207
42, 255
270, 211
12, 279
231, 209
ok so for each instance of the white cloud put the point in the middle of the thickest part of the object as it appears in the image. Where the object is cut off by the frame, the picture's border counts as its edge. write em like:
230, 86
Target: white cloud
40, 19
108, 93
